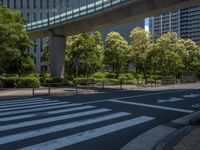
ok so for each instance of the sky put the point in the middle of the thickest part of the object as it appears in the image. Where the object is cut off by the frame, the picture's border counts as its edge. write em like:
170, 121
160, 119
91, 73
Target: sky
147, 24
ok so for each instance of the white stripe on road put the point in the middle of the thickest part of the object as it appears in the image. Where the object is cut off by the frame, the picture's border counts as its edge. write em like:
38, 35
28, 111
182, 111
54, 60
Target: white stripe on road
37, 109
84, 136
27, 104
46, 113
57, 128
52, 119
152, 106
19, 100
35, 106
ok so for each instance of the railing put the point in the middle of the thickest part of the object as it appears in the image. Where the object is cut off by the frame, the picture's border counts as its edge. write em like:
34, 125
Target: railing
74, 13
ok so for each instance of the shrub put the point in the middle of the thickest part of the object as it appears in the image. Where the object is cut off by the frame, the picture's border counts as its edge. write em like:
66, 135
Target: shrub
20, 82
83, 81
100, 75
111, 75
28, 82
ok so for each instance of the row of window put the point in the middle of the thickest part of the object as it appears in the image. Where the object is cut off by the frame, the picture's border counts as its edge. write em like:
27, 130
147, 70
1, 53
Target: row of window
32, 4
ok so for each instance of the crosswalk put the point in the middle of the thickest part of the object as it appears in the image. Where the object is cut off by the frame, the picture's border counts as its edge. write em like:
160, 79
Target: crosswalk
35, 118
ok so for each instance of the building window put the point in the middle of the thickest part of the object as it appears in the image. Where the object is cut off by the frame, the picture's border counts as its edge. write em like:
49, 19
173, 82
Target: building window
15, 4
8, 3
34, 4
21, 4
34, 17
41, 16
28, 17
54, 4
28, 4
41, 4
47, 4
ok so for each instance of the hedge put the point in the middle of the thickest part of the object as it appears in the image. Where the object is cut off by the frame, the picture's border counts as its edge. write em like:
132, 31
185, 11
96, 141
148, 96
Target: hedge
20, 82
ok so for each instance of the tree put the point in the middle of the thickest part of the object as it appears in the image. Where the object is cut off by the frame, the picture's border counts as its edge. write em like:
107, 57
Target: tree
116, 52
88, 49
14, 40
139, 48
166, 54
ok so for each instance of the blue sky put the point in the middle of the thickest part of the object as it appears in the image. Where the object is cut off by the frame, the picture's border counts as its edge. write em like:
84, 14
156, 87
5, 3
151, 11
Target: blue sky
147, 24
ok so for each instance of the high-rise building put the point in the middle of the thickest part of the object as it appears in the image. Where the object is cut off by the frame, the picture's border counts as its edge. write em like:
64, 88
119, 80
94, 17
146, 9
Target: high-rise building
35, 10
185, 22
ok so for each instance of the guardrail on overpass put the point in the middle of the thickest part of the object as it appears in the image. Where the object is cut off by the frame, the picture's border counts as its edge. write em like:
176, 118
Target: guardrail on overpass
74, 13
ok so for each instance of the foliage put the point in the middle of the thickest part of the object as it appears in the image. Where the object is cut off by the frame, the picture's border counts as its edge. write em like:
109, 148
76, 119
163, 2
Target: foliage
88, 49
139, 48
20, 82
116, 52
14, 41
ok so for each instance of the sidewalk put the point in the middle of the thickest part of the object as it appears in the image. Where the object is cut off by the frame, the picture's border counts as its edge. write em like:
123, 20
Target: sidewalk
190, 141
180, 134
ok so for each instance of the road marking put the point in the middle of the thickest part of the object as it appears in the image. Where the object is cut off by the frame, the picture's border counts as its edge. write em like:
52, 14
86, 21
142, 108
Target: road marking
134, 96
171, 99
196, 105
153, 106
3, 114
84, 136
24, 102
52, 119
191, 96
45, 113
35, 106
27, 104
57, 128
20, 100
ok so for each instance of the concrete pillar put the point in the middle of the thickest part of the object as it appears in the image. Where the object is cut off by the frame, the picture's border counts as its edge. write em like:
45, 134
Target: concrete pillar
57, 45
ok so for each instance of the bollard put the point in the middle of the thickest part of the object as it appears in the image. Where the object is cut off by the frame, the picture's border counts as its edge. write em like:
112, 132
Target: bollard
121, 85
49, 89
76, 88
33, 90
103, 85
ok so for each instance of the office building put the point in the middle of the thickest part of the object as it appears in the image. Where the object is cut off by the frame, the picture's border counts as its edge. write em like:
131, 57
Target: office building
185, 22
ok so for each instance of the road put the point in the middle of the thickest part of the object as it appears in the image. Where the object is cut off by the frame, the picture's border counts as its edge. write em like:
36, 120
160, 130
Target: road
104, 121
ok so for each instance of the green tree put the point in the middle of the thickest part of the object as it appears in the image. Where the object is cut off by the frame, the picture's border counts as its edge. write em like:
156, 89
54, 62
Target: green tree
166, 54
14, 40
88, 49
116, 52
139, 48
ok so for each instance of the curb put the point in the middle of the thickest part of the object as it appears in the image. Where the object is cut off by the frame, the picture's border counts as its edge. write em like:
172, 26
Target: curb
162, 136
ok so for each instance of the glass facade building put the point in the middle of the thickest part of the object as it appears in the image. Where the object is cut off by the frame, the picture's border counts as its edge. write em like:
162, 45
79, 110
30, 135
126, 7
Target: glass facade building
185, 22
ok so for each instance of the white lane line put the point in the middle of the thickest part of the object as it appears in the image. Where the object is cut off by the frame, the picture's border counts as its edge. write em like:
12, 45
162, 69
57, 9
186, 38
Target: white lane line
35, 106
3, 114
57, 128
52, 119
27, 104
46, 113
134, 96
19, 100
84, 136
153, 106
24, 102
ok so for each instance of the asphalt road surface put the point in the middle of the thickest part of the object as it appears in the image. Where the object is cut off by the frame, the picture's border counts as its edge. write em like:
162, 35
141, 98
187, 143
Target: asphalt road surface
104, 121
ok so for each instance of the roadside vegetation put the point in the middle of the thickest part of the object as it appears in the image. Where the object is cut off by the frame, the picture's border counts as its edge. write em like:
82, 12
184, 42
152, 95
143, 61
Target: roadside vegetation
167, 59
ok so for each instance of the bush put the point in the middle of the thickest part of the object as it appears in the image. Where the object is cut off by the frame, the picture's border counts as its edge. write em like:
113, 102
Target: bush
100, 75
20, 82
111, 75
83, 81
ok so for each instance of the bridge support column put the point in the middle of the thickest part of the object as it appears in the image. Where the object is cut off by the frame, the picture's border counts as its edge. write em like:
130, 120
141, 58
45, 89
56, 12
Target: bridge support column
57, 46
